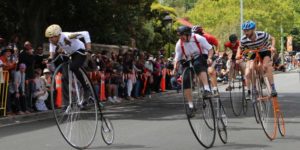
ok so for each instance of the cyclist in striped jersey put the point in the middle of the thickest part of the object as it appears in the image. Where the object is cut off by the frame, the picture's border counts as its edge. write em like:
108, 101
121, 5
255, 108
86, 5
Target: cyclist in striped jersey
253, 39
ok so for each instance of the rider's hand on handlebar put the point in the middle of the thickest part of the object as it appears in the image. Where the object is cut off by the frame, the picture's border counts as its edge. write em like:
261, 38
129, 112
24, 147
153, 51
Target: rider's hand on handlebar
60, 50
174, 71
272, 49
209, 61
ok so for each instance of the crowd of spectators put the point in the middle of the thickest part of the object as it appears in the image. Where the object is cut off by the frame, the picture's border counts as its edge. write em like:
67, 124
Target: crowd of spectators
131, 75
25, 66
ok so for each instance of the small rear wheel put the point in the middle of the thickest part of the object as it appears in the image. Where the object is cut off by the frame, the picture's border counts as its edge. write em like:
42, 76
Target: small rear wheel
107, 131
222, 123
281, 124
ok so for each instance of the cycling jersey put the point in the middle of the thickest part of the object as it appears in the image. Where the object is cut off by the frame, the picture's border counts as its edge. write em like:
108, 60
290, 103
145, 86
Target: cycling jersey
233, 48
211, 39
190, 48
70, 43
262, 41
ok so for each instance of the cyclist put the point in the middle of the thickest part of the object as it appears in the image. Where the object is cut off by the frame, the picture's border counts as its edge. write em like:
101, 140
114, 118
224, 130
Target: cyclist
193, 46
69, 43
233, 44
253, 39
211, 69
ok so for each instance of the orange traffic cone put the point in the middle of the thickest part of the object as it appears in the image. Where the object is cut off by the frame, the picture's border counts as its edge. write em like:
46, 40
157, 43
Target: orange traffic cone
163, 80
145, 83
102, 87
58, 82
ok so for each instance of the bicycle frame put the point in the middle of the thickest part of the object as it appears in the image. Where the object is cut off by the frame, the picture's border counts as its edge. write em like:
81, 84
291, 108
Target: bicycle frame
258, 73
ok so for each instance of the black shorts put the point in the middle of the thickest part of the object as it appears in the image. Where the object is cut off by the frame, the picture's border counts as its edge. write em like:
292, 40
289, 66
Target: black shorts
233, 56
200, 65
262, 55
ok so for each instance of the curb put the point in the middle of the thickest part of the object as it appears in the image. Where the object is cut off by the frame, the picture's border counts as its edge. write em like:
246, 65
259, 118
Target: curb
38, 116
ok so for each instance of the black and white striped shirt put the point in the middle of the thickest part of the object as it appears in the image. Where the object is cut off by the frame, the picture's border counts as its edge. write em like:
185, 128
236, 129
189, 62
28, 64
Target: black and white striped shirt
262, 41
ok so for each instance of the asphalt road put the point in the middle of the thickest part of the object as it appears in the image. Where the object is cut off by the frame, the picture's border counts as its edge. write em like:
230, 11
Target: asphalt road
160, 124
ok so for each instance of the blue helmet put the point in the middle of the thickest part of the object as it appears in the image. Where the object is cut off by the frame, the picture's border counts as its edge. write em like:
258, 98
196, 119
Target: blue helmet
248, 25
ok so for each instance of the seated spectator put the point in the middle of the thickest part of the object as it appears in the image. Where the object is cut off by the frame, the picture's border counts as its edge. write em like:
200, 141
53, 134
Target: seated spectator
40, 91
47, 78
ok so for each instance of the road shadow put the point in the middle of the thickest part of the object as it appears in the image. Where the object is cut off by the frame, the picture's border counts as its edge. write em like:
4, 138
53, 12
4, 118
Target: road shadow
233, 145
170, 107
120, 146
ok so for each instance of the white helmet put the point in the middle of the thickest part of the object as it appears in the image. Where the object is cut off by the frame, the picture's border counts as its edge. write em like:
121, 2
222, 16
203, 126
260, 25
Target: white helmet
53, 30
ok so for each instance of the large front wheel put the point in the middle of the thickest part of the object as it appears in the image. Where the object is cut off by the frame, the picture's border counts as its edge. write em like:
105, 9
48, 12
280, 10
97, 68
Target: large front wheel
268, 117
75, 108
203, 122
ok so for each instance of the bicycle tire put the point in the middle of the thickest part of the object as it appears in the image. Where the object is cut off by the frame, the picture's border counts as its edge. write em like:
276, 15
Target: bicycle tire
203, 123
245, 106
281, 124
266, 108
77, 121
221, 125
236, 94
107, 131
254, 95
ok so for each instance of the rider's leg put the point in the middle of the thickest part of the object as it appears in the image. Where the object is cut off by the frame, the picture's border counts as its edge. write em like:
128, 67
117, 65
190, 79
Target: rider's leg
230, 71
248, 76
267, 67
204, 79
187, 91
77, 62
213, 78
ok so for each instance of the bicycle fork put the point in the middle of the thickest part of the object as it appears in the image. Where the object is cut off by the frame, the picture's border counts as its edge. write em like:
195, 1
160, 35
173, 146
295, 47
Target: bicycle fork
219, 113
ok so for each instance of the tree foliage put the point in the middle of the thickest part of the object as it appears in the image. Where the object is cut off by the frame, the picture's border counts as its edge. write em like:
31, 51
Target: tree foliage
222, 17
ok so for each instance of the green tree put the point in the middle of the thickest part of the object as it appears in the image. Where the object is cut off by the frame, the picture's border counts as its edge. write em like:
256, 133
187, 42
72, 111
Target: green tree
222, 17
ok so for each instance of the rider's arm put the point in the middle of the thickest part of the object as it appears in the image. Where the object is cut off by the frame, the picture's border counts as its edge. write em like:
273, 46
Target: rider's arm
175, 67
178, 56
210, 54
82, 34
238, 53
272, 43
52, 49
206, 45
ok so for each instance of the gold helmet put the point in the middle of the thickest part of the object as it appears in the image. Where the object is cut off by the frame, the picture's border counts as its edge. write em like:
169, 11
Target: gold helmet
53, 30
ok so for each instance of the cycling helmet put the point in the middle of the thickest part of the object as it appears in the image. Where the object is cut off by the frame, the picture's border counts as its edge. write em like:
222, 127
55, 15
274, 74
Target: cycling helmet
197, 29
53, 30
248, 25
233, 38
184, 30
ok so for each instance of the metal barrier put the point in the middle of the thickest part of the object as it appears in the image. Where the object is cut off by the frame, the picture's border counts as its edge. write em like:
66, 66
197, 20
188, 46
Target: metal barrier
4, 78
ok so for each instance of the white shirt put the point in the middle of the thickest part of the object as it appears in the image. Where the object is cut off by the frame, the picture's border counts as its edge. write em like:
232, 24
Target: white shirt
69, 41
191, 48
297, 55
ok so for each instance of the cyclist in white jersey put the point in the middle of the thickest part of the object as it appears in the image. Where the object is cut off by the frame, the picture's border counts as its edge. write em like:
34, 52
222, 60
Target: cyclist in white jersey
69, 43
193, 46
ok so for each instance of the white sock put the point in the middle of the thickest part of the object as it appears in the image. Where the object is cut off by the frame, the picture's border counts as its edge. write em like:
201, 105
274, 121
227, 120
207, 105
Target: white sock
206, 87
191, 105
215, 88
